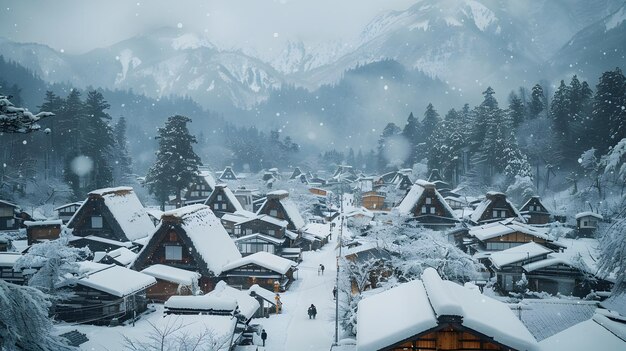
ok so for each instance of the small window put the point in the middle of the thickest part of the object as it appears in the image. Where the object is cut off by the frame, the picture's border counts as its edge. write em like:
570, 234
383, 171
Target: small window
585, 223
173, 253
248, 231
273, 213
219, 197
495, 214
224, 206
216, 206
432, 210
429, 201
503, 214
424, 209
96, 222
10, 223
271, 232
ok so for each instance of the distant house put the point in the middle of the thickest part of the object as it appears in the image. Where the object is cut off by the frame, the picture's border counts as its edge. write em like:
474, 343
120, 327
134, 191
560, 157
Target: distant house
318, 191
374, 201
228, 174
121, 257
296, 173
103, 294
190, 238
498, 236
247, 306
535, 212
38, 231
587, 223
344, 173
66, 212
201, 187
318, 234
8, 216
110, 218
170, 281
434, 314
495, 207
246, 197
456, 203
260, 268
375, 260
402, 182
278, 204
7, 273
222, 201
427, 206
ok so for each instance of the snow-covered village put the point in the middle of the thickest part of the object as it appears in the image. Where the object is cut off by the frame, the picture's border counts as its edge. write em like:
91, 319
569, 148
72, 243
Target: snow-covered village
265, 175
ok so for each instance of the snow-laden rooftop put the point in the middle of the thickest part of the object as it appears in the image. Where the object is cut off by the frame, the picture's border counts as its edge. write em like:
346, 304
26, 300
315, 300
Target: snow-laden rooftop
117, 280
268, 238
414, 307
507, 226
248, 305
208, 178
208, 236
589, 214
415, 194
292, 212
484, 204
122, 255
203, 303
318, 230
172, 274
43, 223
518, 253
264, 293
8, 259
597, 333
265, 260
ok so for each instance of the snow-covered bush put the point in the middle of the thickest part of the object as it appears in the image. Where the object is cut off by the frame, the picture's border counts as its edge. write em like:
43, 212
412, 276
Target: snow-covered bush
521, 189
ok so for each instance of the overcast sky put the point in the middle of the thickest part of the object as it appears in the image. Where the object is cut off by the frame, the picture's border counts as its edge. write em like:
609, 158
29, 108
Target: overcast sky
78, 25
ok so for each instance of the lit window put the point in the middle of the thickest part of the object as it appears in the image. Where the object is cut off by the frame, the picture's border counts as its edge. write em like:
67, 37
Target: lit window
10, 223
173, 253
96, 222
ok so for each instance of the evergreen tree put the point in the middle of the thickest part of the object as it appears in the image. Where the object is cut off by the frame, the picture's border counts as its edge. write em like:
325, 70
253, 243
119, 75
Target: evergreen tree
99, 141
176, 164
484, 113
350, 160
430, 121
391, 130
446, 144
412, 133
360, 161
516, 109
537, 101
123, 167
71, 127
609, 111
560, 114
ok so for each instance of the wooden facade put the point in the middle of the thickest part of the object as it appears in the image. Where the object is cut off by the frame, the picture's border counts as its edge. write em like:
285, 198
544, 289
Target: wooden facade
66, 212
535, 212
200, 189
250, 274
8, 216
373, 201
40, 231
495, 207
164, 289
587, 224
274, 207
318, 191
228, 174
450, 336
426, 206
511, 240
222, 201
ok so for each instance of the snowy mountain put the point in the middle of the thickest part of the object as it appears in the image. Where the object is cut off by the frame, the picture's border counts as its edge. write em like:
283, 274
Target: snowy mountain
595, 49
160, 63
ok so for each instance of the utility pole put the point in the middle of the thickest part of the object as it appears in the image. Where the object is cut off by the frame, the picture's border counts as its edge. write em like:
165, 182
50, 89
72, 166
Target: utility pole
337, 278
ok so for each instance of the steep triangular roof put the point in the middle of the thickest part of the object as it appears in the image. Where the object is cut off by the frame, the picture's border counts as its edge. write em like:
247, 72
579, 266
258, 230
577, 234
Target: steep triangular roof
415, 195
296, 173
535, 201
281, 198
490, 198
229, 196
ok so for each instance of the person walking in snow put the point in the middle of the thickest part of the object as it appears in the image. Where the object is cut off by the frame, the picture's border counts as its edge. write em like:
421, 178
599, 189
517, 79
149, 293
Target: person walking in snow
334, 293
263, 336
322, 268
312, 311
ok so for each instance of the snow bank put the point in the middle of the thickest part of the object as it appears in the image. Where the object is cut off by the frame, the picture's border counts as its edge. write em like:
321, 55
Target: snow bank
589, 335
248, 305
265, 260
172, 274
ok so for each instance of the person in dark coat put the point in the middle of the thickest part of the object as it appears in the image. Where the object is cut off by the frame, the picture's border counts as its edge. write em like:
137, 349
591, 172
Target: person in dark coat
263, 336
322, 268
334, 293
312, 311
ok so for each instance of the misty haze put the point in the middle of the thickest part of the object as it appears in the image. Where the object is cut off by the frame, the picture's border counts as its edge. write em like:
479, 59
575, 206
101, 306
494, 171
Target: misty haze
313, 175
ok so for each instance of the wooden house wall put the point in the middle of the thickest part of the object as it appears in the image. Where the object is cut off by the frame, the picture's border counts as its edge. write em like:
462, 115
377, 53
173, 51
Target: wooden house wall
95, 207
258, 245
274, 204
7, 218
36, 233
318, 191
440, 209
498, 203
251, 274
9, 275
219, 207
373, 202
198, 190
538, 218
512, 240
259, 226
450, 337
163, 290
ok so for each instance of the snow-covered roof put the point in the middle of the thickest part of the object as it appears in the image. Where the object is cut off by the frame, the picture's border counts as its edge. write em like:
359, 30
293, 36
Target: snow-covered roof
208, 177
417, 190
273, 220
8, 204
8, 259
172, 274
293, 213
589, 214
122, 255
247, 304
127, 211
203, 302
278, 193
264, 293
518, 253
207, 234
117, 281
233, 199
263, 259
268, 238
412, 308
43, 223
78, 203
599, 332
154, 212
318, 230
393, 315
291, 235
507, 226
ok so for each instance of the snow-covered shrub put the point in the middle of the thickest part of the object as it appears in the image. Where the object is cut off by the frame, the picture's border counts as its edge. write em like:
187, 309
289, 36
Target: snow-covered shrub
521, 189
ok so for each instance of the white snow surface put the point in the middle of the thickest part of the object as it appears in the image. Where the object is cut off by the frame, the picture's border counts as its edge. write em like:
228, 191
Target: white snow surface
318, 230
172, 274
507, 226
116, 280
122, 255
208, 235
393, 315
616, 19
441, 299
587, 214
203, 302
127, 210
208, 177
595, 333
43, 223
8, 259
263, 259
247, 304
518, 253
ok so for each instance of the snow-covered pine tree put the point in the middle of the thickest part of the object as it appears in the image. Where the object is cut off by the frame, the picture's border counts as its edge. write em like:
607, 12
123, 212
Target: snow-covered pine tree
537, 101
123, 162
176, 164
429, 123
18, 119
609, 110
99, 141
516, 109
560, 115
24, 321
412, 133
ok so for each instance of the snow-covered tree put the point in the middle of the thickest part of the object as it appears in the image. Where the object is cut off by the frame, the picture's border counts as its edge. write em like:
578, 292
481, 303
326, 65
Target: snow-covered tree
123, 163
609, 110
176, 164
413, 133
18, 119
24, 321
516, 109
537, 101
54, 261
613, 251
